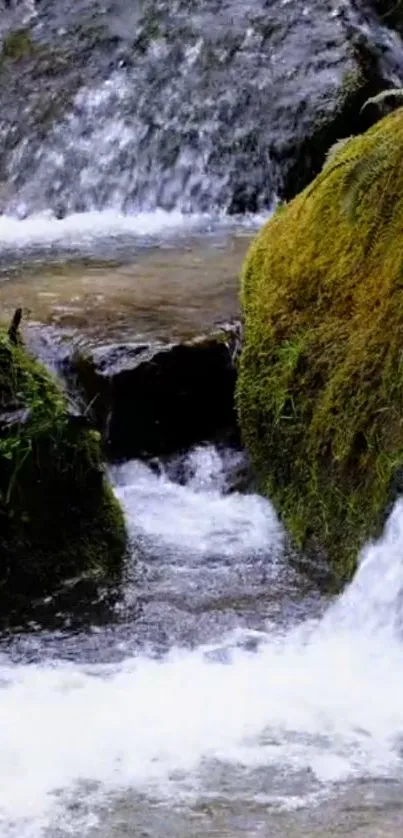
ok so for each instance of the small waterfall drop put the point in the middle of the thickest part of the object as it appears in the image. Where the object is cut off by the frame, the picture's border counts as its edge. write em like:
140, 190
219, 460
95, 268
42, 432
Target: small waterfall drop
192, 108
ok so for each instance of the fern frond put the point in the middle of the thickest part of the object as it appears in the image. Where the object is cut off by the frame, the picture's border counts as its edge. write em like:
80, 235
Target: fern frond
360, 178
383, 216
353, 186
391, 11
324, 174
383, 96
334, 150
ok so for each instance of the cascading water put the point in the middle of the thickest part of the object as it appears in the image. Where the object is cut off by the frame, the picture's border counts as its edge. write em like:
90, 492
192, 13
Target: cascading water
173, 119
267, 719
182, 108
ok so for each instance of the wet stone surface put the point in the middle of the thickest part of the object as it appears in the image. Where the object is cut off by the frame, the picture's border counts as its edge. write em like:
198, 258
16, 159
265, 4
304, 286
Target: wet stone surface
149, 400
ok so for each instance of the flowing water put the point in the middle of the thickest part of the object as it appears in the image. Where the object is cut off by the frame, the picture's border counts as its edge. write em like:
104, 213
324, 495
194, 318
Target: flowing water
191, 106
226, 697
217, 691
165, 292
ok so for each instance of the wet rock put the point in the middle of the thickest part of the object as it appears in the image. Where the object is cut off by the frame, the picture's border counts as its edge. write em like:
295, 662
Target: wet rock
236, 474
149, 400
303, 158
58, 516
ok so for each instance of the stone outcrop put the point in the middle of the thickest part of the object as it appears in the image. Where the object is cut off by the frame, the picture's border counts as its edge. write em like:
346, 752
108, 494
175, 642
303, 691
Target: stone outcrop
153, 399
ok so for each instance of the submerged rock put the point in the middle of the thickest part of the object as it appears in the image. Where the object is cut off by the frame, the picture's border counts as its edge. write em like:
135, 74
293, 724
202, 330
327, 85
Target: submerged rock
320, 391
58, 515
152, 399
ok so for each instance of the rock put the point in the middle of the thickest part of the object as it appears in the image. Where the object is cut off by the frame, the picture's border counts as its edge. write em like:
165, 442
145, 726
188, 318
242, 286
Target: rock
149, 400
346, 116
58, 516
320, 390
130, 105
390, 13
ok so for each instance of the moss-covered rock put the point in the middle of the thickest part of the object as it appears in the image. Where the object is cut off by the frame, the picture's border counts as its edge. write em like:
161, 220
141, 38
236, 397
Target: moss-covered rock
320, 391
58, 515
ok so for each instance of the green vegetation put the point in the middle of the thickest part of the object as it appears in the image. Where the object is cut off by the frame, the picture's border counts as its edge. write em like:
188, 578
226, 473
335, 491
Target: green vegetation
58, 515
18, 45
320, 391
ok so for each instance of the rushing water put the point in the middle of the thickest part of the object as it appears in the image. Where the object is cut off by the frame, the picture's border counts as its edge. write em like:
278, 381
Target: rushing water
192, 107
218, 692
208, 714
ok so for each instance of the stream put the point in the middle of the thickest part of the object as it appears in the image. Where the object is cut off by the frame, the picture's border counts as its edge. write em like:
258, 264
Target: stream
218, 690
224, 696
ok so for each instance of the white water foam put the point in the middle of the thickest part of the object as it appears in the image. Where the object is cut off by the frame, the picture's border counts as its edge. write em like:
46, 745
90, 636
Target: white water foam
85, 232
196, 518
85, 228
323, 701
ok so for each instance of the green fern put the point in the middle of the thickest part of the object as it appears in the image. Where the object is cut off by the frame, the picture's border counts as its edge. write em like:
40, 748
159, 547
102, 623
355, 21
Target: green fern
332, 163
391, 11
362, 174
334, 150
360, 183
383, 96
360, 178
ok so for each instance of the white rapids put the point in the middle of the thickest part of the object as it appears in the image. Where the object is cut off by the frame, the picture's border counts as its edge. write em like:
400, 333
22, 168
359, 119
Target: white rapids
79, 230
322, 701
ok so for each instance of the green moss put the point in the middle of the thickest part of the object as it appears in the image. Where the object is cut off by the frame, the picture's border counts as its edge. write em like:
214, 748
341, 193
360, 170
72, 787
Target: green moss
320, 391
18, 45
58, 515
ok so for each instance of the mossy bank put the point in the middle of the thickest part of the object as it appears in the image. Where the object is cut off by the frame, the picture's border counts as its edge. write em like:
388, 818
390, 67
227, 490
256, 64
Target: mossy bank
320, 390
58, 515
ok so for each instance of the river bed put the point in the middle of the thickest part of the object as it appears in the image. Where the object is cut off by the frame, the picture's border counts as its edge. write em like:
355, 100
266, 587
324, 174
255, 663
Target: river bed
164, 290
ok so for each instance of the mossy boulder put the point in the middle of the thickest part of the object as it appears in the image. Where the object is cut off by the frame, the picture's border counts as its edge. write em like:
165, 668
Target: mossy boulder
320, 389
58, 515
